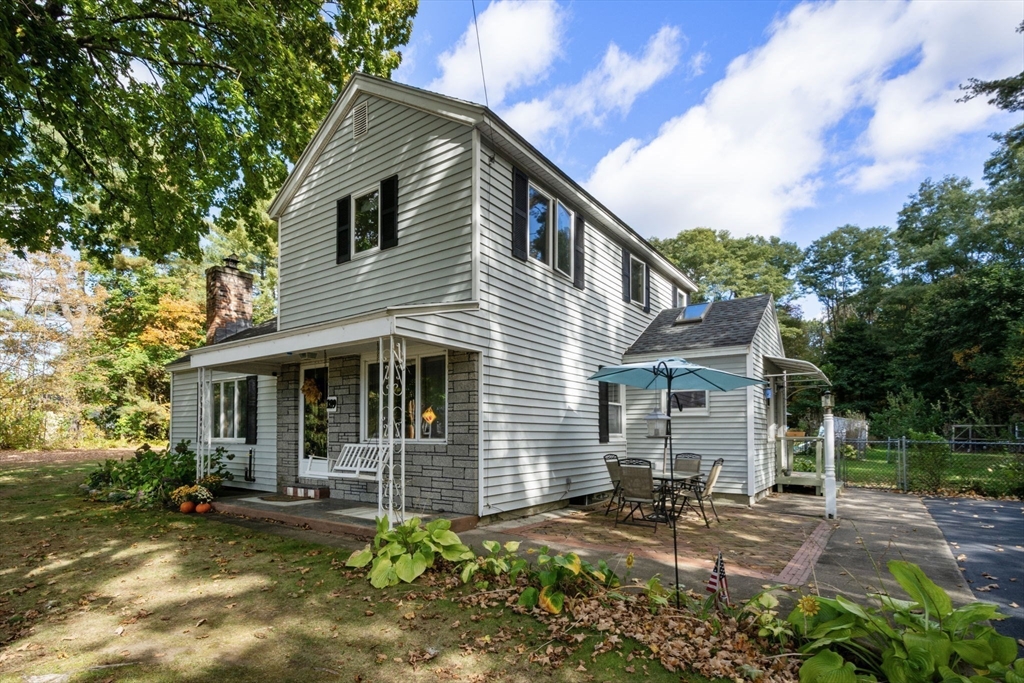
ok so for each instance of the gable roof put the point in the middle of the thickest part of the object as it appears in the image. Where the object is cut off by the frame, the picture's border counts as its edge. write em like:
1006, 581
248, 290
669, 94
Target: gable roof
732, 322
493, 128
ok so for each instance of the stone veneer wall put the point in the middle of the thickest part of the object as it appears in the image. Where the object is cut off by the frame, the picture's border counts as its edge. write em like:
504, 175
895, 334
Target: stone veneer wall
439, 477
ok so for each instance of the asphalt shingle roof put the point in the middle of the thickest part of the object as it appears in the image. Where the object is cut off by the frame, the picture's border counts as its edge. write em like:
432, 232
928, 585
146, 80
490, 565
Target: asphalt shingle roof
732, 322
267, 327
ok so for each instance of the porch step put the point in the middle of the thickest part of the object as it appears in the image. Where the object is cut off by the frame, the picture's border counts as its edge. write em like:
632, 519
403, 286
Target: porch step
307, 491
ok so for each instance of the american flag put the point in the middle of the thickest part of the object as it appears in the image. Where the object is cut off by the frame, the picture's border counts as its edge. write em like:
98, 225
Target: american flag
718, 582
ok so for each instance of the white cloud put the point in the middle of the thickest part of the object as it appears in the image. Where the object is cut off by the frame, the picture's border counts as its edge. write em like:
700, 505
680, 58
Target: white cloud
697, 63
754, 149
521, 40
611, 87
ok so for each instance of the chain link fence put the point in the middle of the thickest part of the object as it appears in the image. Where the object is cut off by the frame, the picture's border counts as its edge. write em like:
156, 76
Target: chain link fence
986, 468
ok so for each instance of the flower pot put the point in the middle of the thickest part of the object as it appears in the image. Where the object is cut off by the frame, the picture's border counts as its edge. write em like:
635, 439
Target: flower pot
203, 508
187, 507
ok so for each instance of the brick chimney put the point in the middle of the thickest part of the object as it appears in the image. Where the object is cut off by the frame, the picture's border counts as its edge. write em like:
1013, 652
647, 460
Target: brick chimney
228, 300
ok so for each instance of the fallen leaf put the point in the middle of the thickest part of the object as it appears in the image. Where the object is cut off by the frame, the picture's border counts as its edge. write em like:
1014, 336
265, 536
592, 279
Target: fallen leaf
989, 587
961, 558
1014, 605
368, 613
409, 615
120, 630
200, 623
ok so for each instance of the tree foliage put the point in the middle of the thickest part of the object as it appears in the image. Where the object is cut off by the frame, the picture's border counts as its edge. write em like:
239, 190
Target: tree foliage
129, 123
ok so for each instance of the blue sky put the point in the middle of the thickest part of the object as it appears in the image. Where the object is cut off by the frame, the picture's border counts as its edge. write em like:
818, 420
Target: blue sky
772, 118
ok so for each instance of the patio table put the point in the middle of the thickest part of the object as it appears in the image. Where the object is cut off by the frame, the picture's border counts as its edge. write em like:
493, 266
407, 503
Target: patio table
665, 481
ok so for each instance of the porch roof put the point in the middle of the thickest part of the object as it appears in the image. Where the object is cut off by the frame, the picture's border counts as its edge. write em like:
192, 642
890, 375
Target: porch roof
269, 347
796, 368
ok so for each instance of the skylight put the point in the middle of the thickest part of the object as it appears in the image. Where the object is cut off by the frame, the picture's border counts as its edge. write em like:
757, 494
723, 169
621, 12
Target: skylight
693, 313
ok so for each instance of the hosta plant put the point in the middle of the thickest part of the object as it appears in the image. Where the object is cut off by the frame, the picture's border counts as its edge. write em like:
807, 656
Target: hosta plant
921, 640
561, 575
404, 552
500, 560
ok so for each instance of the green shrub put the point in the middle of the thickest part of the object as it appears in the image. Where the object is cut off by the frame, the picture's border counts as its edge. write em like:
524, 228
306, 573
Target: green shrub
923, 640
929, 460
407, 550
149, 477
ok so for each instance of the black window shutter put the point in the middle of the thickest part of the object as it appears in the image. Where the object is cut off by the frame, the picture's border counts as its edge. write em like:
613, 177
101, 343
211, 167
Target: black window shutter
625, 275
252, 391
389, 212
344, 236
579, 257
602, 410
675, 297
520, 210
647, 288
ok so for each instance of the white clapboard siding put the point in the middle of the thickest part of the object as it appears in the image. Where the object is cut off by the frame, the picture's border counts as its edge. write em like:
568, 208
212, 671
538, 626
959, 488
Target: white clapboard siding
540, 413
721, 433
184, 422
766, 343
433, 260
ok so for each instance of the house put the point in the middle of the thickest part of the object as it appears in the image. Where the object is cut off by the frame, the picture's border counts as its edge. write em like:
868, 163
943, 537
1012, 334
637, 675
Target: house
444, 293
744, 427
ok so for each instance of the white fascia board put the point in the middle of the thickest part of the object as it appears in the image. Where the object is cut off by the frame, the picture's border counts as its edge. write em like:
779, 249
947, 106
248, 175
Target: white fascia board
323, 337
594, 209
336, 332
689, 355
439, 105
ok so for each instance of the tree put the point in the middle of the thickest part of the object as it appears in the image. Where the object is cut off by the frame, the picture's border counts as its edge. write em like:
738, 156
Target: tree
129, 123
845, 263
1005, 93
725, 267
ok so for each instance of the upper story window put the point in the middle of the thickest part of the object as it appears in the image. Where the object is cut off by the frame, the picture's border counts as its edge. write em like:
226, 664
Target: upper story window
366, 219
545, 229
637, 281
551, 231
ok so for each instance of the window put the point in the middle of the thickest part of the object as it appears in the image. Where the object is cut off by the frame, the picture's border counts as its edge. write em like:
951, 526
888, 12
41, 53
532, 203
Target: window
229, 409
615, 396
551, 232
540, 218
690, 401
678, 298
366, 218
424, 399
636, 280
693, 313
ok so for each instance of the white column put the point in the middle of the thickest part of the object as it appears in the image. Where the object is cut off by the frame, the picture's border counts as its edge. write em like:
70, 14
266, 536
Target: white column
830, 466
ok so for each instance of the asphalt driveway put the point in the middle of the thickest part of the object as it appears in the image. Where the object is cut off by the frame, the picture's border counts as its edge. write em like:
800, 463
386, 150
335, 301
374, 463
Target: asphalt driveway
987, 538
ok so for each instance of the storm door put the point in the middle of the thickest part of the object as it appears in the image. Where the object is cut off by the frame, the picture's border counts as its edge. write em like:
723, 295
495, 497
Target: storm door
313, 432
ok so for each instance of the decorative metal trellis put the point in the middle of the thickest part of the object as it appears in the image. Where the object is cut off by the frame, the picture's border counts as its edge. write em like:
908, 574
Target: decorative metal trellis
391, 434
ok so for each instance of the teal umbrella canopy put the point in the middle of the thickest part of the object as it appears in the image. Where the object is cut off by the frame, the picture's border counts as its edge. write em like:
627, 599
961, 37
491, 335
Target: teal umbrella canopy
677, 373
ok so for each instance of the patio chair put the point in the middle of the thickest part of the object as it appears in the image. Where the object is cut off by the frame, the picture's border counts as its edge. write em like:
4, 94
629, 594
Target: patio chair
611, 461
687, 465
703, 491
636, 484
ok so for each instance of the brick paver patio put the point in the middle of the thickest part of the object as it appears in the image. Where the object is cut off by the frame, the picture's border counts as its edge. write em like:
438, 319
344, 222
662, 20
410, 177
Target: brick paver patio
756, 541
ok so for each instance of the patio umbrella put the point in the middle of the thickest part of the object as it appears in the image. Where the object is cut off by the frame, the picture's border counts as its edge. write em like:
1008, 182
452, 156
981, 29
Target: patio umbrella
667, 374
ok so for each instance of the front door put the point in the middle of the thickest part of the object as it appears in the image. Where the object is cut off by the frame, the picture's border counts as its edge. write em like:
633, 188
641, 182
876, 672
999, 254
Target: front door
313, 441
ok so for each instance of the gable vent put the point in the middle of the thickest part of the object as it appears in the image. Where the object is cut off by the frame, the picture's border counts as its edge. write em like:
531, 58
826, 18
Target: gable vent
360, 121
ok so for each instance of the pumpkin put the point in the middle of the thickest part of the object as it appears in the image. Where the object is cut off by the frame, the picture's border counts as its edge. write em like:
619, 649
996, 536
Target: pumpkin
203, 508
187, 507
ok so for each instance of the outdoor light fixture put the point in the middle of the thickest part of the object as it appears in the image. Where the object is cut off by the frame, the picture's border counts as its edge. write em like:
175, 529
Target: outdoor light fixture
657, 424
767, 393
826, 401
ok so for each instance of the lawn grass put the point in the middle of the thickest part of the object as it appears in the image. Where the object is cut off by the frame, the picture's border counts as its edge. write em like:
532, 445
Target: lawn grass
984, 473
108, 594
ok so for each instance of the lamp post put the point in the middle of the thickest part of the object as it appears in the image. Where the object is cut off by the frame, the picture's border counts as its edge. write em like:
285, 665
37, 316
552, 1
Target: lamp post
830, 456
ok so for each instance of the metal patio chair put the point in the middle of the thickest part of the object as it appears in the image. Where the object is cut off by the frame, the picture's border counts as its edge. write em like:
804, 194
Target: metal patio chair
636, 490
611, 461
701, 492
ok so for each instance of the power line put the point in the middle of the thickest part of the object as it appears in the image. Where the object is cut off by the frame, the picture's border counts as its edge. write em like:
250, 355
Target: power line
480, 52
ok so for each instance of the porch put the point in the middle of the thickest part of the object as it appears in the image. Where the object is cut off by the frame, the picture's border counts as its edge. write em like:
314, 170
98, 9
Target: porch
326, 515
382, 419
